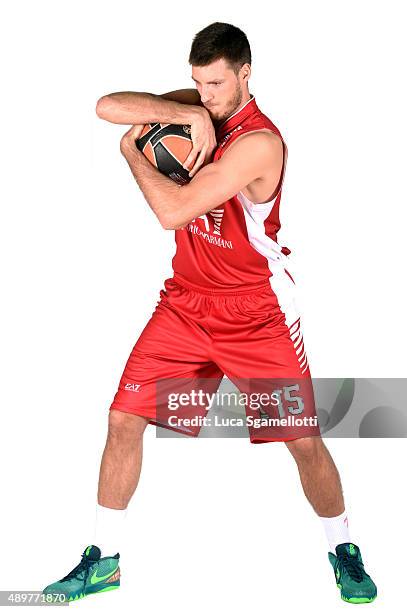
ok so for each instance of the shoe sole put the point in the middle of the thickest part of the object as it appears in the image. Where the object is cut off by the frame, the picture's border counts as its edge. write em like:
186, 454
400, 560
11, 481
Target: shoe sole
82, 595
356, 600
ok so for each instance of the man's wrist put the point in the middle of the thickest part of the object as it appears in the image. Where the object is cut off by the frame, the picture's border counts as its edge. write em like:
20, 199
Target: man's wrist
199, 114
189, 114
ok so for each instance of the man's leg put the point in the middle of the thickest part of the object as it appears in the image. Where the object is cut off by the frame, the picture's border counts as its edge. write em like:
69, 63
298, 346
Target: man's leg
118, 478
319, 475
322, 487
120, 468
185, 354
121, 460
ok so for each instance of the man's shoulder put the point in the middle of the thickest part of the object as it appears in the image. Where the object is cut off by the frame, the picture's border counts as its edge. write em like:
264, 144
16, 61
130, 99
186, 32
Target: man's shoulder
260, 141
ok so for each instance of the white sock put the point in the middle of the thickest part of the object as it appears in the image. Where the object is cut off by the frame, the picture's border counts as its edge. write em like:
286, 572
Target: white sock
336, 530
109, 525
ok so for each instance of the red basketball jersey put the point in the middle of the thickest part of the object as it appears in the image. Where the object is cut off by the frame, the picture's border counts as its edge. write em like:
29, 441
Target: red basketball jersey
235, 244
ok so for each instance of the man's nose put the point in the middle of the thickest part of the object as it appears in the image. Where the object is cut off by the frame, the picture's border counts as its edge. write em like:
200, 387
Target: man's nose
205, 95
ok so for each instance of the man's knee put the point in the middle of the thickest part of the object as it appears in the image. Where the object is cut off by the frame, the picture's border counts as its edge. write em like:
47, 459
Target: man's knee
304, 449
124, 426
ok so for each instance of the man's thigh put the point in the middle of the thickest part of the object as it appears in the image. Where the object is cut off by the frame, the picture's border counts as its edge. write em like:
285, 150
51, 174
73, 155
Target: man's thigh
259, 347
170, 357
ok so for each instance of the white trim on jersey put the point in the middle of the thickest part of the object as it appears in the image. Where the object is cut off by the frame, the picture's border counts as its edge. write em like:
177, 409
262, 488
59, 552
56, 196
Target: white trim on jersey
255, 215
280, 282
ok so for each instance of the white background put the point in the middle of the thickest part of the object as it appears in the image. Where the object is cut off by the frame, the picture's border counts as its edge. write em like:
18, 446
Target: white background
219, 524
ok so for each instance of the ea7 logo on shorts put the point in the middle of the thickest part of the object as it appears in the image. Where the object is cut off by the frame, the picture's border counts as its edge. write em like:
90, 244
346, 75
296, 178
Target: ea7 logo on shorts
132, 387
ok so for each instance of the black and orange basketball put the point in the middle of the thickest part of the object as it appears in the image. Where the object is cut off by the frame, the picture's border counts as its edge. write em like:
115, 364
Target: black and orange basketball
167, 146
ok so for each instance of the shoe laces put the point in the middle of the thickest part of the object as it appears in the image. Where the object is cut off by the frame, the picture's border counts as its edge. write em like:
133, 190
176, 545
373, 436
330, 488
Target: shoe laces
353, 566
84, 565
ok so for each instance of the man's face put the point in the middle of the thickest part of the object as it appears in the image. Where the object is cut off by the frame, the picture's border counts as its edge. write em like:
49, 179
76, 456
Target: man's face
221, 90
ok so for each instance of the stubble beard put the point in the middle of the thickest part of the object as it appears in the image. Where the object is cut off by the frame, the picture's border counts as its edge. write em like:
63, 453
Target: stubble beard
231, 107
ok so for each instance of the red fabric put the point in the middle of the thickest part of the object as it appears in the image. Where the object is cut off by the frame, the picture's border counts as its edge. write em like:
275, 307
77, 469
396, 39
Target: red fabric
193, 338
214, 250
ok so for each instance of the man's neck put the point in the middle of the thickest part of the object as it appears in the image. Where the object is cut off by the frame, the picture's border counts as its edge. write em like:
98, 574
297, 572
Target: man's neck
245, 99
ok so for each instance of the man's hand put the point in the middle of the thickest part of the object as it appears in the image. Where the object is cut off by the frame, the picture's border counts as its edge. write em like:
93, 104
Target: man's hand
128, 141
203, 140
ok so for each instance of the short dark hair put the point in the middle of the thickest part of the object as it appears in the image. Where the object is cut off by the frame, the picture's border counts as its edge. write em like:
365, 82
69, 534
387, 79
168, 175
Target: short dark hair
220, 40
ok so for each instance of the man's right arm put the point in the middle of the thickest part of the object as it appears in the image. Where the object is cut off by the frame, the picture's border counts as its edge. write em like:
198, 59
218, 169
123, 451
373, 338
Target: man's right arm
133, 107
182, 107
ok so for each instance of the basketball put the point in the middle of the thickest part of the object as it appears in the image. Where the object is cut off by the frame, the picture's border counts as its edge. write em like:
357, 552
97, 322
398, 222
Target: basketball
167, 146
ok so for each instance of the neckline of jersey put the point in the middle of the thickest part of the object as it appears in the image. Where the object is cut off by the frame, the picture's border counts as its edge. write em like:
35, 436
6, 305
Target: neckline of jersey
237, 117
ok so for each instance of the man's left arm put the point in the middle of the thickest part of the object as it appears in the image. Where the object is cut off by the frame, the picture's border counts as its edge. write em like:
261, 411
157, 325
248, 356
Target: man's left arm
250, 157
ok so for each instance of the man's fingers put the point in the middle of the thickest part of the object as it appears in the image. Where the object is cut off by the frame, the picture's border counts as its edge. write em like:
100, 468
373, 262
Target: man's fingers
189, 162
198, 163
136, 131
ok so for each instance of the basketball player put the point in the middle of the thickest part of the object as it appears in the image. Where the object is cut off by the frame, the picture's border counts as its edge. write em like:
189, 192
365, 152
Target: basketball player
229, 307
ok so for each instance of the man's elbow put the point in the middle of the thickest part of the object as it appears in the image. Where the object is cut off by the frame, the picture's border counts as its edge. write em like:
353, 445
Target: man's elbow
104, 108
171, 222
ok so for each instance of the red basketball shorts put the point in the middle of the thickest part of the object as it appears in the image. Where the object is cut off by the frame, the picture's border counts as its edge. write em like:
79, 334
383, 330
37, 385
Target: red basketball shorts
196, 336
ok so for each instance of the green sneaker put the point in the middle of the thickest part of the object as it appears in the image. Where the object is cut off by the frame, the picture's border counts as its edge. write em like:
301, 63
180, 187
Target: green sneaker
356, 586
91, 575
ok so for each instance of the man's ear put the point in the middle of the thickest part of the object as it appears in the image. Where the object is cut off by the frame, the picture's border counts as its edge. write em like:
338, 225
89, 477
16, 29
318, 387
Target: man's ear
246, 71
